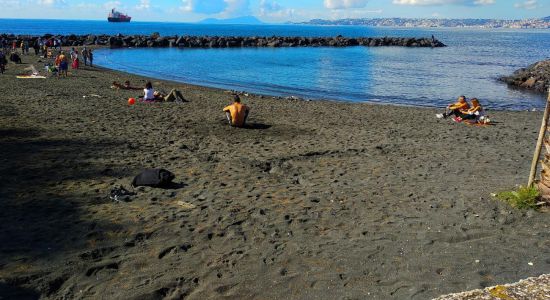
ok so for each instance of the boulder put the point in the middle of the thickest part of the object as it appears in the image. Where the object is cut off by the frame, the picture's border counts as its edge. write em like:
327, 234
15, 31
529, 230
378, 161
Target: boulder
536, 77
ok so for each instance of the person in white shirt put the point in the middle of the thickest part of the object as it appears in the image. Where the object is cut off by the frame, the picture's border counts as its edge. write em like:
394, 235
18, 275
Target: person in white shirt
148, 92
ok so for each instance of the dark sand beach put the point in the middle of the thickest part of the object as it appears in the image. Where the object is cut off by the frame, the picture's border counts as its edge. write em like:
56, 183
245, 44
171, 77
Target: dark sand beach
318, 200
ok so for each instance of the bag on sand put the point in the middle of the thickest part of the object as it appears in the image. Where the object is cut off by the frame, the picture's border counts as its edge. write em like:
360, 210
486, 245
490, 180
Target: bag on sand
154, 178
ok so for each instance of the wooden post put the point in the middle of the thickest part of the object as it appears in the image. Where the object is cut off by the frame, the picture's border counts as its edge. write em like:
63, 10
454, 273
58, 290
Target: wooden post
542, 132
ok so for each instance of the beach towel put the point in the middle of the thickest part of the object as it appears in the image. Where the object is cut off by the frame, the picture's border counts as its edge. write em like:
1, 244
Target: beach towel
30, 77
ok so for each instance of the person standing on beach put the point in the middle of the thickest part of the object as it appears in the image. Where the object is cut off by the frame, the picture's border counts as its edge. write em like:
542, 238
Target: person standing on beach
85, 56
36, 47
63, 64
74, 58
236, 113
3, 62
91, 57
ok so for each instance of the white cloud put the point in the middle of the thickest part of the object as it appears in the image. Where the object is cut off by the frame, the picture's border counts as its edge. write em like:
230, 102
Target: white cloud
112, 4
222, 7
484, 2
52, 3
529, 4
345, 4
204, 6
236, 8
273, 9
143, 5
10, 3
187, 5
443, 2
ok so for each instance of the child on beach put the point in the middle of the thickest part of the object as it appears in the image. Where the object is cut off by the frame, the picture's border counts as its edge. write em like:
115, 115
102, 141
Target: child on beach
457, 109
236, 113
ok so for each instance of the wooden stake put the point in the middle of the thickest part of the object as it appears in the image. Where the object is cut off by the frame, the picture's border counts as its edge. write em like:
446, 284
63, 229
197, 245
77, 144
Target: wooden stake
542, 132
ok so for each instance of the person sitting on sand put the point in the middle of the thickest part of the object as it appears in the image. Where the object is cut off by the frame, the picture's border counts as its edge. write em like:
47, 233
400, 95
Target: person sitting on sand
476, 114
236, 113
148, 93
457, 109
15, 58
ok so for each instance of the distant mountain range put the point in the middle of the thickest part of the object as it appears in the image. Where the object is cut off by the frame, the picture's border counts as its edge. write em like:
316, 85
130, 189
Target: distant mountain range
406, 22
246, 20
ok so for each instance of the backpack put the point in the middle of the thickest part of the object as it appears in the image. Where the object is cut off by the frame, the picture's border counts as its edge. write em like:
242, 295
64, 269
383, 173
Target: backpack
153, 178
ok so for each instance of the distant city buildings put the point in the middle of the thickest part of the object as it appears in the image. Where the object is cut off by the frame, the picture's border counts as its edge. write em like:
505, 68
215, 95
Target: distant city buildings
542, 23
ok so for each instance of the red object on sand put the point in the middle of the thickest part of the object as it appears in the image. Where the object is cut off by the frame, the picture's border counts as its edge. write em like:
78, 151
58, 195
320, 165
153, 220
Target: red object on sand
131, 101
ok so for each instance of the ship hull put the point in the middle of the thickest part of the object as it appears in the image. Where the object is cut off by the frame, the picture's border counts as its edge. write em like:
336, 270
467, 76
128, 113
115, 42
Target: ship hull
118, 20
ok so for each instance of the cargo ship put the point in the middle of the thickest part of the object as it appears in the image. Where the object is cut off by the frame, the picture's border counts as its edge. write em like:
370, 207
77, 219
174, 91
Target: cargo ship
115, 16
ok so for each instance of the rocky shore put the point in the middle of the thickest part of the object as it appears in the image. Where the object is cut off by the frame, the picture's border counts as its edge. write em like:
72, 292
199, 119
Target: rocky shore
536, 77
155, 40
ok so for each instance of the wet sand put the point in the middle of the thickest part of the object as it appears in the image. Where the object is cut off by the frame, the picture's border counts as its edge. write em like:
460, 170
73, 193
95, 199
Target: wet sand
318, 200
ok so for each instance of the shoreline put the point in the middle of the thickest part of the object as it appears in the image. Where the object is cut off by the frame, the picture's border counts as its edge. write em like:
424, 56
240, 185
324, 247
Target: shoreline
317, 196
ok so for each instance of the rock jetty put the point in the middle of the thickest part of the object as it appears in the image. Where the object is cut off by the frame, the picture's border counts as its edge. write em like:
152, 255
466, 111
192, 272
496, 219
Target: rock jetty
536, 77
157, 41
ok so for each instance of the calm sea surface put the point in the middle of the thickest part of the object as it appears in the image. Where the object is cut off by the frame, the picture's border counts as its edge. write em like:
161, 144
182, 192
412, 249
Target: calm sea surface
470, 65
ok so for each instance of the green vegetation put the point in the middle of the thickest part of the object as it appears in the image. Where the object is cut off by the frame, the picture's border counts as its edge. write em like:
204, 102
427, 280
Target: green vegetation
524, 198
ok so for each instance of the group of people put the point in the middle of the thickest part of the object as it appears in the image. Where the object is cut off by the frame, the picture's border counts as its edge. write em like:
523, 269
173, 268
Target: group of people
61, 62
236, 113
150, 95
463, 111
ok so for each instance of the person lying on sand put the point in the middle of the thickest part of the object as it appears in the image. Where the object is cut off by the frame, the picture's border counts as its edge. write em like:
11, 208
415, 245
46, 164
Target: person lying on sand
150, 95
125, 86
457, 109
236, 113
173, 96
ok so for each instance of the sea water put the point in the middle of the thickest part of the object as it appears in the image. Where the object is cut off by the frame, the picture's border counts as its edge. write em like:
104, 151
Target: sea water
470, 65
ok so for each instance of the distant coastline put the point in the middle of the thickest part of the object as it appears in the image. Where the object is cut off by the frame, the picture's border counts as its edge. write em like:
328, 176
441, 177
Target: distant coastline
541, 23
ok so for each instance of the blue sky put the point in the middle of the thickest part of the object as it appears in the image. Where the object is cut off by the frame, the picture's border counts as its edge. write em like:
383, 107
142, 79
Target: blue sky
274, 10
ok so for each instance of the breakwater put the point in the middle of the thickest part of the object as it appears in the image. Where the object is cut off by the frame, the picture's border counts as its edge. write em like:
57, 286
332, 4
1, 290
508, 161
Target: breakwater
157, 41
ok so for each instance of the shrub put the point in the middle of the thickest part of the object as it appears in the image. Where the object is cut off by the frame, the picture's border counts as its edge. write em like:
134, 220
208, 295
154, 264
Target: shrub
524, 198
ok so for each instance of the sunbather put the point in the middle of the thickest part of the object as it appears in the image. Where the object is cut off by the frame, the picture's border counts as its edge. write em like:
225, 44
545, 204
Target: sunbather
236, 113
457, 109
476, 114
125, 86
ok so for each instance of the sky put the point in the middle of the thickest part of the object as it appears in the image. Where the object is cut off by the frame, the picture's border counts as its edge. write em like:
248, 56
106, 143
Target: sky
273, 11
